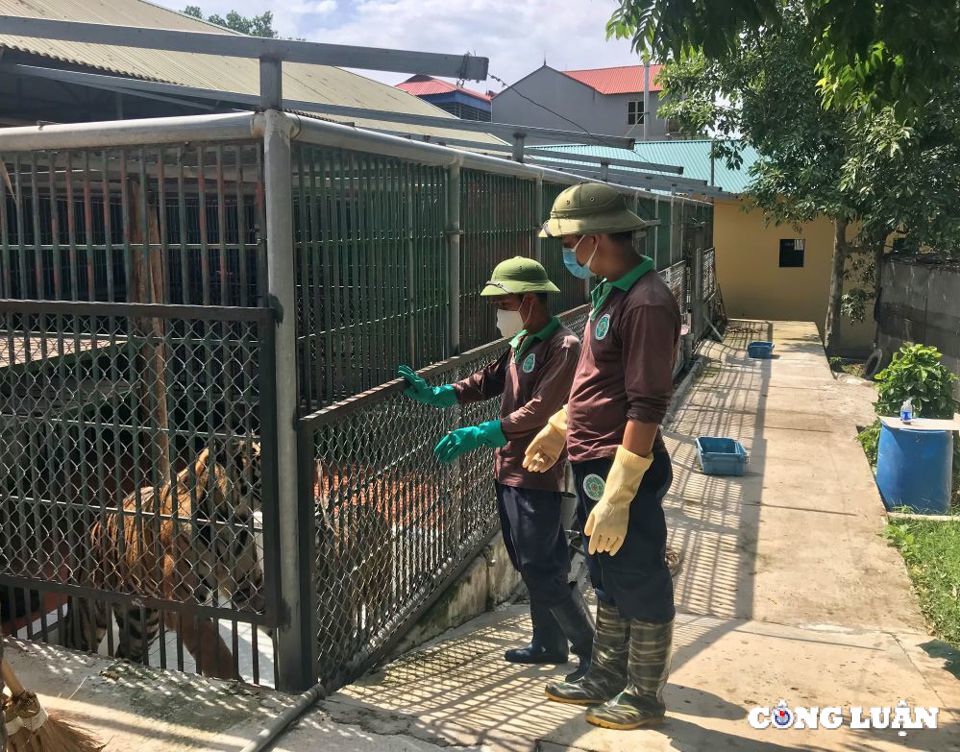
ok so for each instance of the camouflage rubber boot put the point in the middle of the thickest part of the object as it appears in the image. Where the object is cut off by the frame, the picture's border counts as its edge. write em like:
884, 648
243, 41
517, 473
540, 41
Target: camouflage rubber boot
641, 703
607, 674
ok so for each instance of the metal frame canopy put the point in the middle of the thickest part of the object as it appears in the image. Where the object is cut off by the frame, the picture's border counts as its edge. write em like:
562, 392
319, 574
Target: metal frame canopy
639, 176
636, 180
537, 151
239, 45
270, 84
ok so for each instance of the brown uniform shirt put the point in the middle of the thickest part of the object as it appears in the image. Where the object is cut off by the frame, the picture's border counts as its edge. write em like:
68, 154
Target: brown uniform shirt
534, 377
626, 364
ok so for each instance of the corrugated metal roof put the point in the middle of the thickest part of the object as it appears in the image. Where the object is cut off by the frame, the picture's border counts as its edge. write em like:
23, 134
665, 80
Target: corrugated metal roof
314, 83
422, 86
692, 155
623, 79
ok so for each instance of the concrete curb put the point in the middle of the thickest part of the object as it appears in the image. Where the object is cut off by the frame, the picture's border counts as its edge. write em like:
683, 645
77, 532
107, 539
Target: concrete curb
488, 581
683, 388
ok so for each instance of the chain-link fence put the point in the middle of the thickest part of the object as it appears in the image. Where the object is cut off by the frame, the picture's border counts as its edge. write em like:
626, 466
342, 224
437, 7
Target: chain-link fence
134, 506
676, 279
709, 274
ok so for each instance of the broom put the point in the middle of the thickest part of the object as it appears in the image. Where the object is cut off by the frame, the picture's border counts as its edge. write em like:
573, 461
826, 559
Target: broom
30, 729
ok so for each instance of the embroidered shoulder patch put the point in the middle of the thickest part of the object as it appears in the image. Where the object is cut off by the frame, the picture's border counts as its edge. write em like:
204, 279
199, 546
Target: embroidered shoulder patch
603, 326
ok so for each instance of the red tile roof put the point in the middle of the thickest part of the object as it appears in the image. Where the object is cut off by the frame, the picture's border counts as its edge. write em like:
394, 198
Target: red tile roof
624, 79
421, 86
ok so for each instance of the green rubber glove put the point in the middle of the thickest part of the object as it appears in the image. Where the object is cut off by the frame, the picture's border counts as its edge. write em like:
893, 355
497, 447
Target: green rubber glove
421, 391
464, 440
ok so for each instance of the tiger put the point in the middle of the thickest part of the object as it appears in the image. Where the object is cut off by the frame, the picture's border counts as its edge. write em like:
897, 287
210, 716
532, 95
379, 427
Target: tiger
195, 539
355, 562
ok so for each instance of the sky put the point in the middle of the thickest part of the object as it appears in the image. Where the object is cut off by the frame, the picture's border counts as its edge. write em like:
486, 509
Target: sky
516, 35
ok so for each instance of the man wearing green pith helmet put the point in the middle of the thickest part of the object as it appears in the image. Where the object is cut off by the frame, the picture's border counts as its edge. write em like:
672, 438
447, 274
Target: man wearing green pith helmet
610, 428
533, 379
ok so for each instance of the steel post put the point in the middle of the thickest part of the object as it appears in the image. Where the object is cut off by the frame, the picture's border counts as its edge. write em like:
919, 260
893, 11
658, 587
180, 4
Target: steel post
656, 234
271, 84
454, 232
293, 638
537, 220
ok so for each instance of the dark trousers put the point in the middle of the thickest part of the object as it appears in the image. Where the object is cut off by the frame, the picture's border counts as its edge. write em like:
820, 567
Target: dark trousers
535, 541
636, 580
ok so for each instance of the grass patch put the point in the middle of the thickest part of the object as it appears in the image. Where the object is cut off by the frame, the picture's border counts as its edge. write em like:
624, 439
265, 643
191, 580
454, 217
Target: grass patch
848, 366
931, 551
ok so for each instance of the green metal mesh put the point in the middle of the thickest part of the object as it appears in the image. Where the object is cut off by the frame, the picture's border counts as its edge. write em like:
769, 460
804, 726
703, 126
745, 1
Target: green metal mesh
80, 224
664, 233
372, 269
497, 217
572, 290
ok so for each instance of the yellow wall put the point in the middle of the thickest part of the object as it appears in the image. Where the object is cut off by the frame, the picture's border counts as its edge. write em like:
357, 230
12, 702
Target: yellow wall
753, 284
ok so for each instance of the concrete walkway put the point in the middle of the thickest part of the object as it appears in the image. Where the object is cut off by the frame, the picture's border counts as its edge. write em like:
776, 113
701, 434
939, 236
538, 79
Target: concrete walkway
788, 591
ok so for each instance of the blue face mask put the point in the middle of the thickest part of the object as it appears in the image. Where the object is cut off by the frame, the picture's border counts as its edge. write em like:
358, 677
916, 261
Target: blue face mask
573, 266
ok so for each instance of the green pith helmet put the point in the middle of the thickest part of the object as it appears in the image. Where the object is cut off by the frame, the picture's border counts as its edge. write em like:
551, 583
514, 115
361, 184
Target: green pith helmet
590, 209
517, 276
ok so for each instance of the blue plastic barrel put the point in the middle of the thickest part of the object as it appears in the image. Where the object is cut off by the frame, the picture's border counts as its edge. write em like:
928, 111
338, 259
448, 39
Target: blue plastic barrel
914, 469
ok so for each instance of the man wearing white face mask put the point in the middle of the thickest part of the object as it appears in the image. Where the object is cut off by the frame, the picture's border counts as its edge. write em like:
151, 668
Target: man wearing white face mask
533, 379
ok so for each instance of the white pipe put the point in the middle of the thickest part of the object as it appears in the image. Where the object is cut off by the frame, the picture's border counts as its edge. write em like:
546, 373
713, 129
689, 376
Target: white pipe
646, 96
925, 517
183, 128
283, 721
245, 125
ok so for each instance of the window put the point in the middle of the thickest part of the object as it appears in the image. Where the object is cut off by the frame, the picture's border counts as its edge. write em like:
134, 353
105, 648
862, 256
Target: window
634, 113
791, 253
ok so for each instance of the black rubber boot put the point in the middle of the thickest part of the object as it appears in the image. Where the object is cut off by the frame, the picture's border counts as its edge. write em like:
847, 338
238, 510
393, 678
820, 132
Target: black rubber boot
607, 674
548, 644
577, 625
641, 703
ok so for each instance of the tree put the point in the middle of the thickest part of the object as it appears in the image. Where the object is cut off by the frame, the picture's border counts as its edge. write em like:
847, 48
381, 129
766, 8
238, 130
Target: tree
860, 167
257, 26
880, 53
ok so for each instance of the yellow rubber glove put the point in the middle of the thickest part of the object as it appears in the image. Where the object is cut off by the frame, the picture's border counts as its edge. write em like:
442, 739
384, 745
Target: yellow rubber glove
607, 523
547, 446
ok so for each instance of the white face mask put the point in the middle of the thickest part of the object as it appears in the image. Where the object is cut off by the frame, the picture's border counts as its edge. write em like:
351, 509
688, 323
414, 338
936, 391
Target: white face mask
509, 322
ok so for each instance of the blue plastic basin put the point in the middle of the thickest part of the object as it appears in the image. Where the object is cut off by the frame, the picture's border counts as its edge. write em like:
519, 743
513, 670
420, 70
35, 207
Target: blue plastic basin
761, 350
721, 456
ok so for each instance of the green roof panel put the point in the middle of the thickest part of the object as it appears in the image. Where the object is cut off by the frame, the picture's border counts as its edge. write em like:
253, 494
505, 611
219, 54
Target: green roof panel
692, 155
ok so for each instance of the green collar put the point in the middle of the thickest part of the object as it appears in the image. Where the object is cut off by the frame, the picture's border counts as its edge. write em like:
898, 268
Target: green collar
600, 293
523, 341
